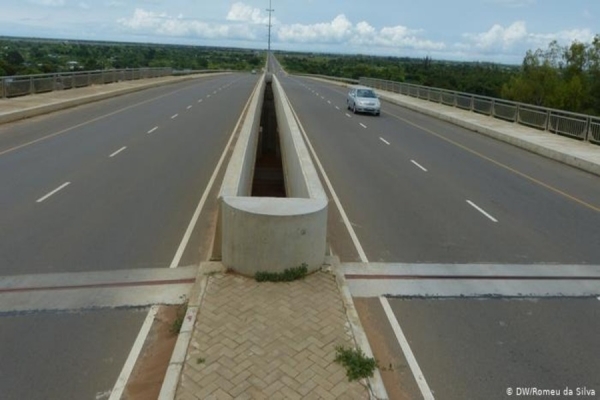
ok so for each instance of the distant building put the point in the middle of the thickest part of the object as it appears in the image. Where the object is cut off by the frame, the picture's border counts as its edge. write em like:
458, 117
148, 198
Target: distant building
72, 65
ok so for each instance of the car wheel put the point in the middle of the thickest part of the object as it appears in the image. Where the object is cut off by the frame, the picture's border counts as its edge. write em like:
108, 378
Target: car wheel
354, 108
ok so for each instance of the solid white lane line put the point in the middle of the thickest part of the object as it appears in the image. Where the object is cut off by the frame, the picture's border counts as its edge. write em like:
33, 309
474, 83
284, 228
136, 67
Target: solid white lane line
348, 115
153, 129
61, 187
196, 215
363, 125
189, 107
175, 116
338, 203
408, 354
136, 349
117, 152
418, 165
384, 141
481, 210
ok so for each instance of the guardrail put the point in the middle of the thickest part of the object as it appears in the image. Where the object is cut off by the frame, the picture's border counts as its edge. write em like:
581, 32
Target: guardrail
22, 85
577, 126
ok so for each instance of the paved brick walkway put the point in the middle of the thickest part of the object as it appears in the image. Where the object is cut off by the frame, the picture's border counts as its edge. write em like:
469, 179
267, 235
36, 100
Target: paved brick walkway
268, 341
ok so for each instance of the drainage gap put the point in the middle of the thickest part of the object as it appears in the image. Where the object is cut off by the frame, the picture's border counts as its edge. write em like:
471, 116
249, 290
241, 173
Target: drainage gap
268, 180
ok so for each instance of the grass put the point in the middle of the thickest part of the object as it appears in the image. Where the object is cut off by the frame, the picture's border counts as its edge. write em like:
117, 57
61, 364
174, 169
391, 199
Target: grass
357, 364
178, 322
288, 275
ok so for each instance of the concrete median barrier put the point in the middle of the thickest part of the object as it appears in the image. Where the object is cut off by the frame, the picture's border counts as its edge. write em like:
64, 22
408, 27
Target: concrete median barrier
267, 233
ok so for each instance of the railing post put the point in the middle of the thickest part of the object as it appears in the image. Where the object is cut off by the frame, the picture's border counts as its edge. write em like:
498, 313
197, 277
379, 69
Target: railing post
89, 78
472, 103
31, 85
517, 112
547, 125
455, 100
588, 129
493, 108
3, 88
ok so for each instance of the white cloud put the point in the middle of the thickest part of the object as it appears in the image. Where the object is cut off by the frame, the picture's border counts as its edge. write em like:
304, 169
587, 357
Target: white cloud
51, 3
515, 37
336, 31
241, 12
341, 31
85, 6
163, 24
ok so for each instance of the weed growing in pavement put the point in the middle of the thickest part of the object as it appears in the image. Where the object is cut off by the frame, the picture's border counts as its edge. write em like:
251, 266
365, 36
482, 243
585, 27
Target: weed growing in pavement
288, 275
357, 364
200, 360
178, 322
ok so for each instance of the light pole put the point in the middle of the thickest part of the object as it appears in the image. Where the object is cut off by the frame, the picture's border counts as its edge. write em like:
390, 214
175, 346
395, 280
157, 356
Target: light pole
270, 10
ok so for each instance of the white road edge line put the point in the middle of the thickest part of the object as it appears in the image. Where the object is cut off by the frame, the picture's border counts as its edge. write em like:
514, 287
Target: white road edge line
61, 187
175, 116
481, 210
123, 378
384, 141
410, 357
153, 130
363, 125
357, 245
194, 220
419, 165
117, 152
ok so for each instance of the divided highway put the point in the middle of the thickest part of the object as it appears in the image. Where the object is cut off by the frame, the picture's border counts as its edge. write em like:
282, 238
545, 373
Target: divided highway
108, 186
420, 190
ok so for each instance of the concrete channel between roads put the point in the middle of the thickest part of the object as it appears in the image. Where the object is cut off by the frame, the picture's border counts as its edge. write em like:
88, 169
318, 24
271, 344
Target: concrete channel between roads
267, 233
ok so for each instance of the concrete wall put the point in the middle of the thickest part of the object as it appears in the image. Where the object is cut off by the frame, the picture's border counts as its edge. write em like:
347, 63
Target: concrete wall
272, 234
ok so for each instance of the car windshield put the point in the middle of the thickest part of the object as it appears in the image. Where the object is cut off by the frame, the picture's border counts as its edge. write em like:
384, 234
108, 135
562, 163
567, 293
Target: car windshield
365, 93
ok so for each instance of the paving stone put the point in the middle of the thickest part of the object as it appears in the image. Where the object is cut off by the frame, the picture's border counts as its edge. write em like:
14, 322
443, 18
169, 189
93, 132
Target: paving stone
269, 341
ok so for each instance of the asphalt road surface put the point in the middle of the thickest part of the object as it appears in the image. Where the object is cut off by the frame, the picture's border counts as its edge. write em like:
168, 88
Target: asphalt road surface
106, 186
420, 190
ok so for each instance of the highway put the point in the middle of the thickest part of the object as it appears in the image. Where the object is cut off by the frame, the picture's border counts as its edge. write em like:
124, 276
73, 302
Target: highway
108, 186
114, 185
418, 190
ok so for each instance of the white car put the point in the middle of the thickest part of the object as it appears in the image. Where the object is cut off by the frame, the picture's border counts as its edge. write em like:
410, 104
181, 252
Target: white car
363, 99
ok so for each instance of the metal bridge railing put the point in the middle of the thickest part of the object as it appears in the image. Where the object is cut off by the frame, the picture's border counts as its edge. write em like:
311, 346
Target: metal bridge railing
577, 126
22, 85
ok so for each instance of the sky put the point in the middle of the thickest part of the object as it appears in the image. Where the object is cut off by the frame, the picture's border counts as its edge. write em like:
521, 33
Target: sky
463, 30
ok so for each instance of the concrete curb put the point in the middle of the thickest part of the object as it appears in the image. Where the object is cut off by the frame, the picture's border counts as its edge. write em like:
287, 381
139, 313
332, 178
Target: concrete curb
375, 384
78, 101
173, 375
564, 158
556, 155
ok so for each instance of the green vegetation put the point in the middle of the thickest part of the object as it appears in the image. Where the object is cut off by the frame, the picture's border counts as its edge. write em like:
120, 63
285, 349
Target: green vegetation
31, 56
178, 322
563, 77
288, 275
357, 364
478, 78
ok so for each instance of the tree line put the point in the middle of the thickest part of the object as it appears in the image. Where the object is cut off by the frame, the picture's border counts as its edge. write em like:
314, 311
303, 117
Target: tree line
562, 77
30, 56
